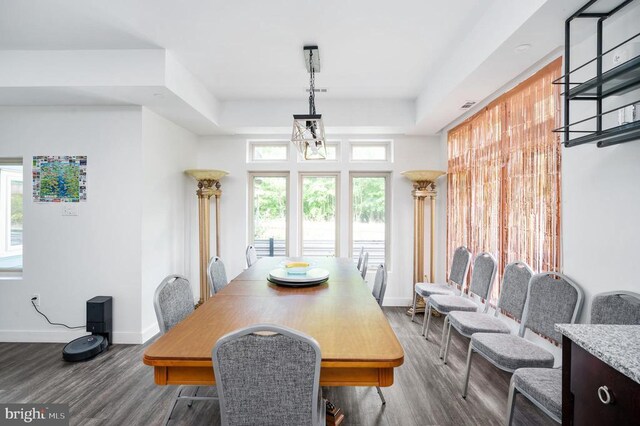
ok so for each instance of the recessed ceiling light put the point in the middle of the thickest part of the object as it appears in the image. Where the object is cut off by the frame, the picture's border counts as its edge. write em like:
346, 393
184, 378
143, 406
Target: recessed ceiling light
522, 48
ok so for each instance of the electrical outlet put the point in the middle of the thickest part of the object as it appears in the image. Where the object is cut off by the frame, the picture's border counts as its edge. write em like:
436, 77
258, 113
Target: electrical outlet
35, 298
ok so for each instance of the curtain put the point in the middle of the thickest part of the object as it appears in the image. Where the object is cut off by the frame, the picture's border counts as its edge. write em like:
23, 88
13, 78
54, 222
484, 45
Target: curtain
504, 178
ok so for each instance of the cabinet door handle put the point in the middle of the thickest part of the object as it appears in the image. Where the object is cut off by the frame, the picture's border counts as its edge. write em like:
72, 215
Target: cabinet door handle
604, 395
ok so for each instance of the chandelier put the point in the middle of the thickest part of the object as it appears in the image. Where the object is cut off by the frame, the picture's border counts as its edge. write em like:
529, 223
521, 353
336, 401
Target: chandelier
308, 129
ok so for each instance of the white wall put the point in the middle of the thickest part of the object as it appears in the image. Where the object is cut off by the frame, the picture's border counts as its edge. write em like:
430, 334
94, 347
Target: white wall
229, 153
168, 210
68, 260
601, 195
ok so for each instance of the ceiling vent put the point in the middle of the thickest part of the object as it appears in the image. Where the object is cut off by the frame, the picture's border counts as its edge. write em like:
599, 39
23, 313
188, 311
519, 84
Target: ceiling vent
468, 104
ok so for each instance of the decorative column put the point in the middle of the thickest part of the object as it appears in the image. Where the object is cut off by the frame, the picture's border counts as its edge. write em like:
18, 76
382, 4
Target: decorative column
424, 186
208, 186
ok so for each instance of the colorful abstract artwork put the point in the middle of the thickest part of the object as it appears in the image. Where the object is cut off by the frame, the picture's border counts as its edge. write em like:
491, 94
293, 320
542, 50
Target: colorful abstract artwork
59, 179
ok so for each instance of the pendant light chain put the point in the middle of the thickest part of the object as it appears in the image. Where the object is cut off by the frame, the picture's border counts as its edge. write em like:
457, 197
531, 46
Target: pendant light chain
312, 94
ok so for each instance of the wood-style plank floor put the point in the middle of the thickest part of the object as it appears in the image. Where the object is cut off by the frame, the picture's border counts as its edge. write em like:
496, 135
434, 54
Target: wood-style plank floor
117, 389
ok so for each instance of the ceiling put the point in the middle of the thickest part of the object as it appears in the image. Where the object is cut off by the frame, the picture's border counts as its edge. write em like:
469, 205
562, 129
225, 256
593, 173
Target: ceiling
408, 52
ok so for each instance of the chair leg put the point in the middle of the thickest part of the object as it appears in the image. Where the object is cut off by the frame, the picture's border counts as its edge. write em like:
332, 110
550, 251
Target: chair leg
194, 394
511, 402
427, 321
468, 370
443, 339
446, 347
167, 417
415, 301
384, 401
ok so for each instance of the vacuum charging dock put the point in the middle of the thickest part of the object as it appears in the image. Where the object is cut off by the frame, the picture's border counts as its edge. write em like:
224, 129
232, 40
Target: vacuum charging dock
99, 323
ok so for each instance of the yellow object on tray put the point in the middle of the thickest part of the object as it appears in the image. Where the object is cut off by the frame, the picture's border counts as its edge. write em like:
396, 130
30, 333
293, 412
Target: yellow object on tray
297, 265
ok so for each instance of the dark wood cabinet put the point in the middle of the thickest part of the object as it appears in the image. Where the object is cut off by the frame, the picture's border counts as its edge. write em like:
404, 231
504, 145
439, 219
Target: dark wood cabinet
593, 393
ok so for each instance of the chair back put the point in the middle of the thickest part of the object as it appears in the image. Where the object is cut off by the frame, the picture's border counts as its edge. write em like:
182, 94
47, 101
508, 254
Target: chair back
483, 276
380, 284
272, 375
513, 292
552, 298
460, 266
616, 307
360, 257
216, 274
173, 301
252, 255
365, 265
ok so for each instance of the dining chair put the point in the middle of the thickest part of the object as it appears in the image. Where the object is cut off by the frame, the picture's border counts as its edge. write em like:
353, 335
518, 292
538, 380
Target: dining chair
457, 278
268, 374
216, 274
365, 265
360, 257
482, 278
552, 298
513, 294
543, 386
252, 255
173, 301
379, 289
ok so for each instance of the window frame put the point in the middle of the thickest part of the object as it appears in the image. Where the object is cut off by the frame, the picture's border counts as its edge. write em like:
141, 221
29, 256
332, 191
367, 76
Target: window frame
250, 191
387, 212
387, 143
5, 203
301, 176
253, 143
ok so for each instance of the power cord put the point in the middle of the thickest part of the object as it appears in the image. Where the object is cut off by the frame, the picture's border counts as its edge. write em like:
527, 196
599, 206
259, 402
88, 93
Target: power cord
47, 318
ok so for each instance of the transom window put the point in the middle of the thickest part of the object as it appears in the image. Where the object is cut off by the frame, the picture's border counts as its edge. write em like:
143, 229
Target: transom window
373, 150
261, 151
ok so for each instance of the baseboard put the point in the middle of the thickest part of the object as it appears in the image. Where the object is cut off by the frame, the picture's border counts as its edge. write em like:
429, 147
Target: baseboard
397, 301
150, 332
63, 336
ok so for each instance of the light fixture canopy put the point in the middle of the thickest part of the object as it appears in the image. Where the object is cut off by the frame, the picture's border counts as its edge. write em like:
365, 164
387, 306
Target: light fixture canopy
308, 129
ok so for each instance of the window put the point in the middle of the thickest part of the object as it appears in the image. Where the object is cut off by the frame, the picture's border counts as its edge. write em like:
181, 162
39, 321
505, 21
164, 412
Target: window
370, 216
268, 204
11, 214
371, 150
318, 221
268, 151
333, 153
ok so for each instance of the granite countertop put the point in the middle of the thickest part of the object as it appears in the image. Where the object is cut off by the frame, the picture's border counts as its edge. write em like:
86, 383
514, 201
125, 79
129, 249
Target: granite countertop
616, 345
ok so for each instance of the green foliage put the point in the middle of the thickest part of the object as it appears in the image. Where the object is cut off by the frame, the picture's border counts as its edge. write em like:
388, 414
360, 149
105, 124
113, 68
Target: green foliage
368, 199
60, 180
16, 209
319, 201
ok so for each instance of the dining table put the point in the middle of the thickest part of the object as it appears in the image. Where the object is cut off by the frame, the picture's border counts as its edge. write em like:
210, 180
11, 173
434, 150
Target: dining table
357, 343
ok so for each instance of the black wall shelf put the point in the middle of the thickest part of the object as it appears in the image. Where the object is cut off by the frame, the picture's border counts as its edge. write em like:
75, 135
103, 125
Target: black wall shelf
621, 79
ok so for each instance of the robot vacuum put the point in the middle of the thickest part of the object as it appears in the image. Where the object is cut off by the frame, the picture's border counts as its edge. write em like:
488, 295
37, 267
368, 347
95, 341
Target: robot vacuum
99, 324
84, 348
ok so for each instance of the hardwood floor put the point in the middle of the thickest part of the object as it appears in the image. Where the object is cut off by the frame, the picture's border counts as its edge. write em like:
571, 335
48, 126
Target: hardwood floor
117, 389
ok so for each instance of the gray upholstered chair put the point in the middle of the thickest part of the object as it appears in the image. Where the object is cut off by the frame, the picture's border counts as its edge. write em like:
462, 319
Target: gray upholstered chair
513, 294
365, 265
216, 274
543, 386
552, 298
173, 302
380, 284
268, 374
379, 289
252, 255
457, 277
360, 257
484, 272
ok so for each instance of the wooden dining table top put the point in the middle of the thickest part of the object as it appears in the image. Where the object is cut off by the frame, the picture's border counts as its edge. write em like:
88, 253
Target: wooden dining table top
341, 314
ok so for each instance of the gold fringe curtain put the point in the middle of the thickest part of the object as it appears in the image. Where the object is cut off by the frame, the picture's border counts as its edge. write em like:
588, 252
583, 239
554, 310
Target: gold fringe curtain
504, 178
